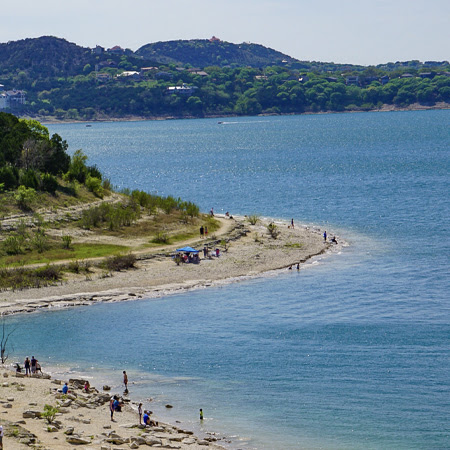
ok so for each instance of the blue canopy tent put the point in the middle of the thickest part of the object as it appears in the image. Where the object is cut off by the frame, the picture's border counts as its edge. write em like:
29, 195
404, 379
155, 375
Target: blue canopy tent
190, 255
187, 250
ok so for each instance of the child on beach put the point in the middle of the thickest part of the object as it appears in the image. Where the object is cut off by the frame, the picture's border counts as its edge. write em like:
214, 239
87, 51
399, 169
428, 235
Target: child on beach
140, 413
125, 380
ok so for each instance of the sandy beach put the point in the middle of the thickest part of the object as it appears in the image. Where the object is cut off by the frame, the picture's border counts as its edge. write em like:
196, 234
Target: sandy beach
245, 251
83, 420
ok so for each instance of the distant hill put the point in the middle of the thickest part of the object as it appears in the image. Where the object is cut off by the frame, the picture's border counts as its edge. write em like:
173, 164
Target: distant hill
46, 56
204, 52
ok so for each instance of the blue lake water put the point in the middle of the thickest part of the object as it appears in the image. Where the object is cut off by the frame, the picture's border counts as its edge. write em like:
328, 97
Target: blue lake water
353, 351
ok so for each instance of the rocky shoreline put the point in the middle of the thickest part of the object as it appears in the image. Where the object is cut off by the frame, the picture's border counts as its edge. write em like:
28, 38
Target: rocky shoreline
81, 419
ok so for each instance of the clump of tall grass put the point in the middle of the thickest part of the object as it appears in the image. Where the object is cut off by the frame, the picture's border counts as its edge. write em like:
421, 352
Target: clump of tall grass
253, 219
120, 262
22, 278
115, 216
273, 230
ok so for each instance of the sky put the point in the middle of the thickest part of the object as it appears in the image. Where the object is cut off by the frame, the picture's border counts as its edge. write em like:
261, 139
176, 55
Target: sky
366, 32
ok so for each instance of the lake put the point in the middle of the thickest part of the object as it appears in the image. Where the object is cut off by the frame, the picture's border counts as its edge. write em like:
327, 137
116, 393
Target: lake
350, 353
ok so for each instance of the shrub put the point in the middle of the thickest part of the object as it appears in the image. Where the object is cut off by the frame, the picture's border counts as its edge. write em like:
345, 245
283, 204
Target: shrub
13, 245
50, 413
49, 183
94, 172
66, 241
120, 262
25, 197
161, 237
10, 177
29, 179
40, 241
48, 273
253, 219
94, 184
273, 230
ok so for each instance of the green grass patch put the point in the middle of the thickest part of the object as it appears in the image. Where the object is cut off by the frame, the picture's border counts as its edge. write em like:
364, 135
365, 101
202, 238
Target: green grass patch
293, 245
77, 251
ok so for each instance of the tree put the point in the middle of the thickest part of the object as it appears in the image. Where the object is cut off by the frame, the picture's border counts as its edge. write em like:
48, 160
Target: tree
77, 169
5, 334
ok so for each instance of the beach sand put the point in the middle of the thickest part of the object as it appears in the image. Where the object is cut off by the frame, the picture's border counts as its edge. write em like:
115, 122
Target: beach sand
245, 251
83, 420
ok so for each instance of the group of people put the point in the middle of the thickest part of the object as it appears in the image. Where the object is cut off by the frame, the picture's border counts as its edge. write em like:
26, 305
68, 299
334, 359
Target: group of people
31, 366
203, 231
333, 239
146, 418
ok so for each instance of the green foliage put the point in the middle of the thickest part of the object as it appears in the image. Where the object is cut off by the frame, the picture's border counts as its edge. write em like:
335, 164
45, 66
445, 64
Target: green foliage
25, 197
116, 216
49, 183
66, 241
22, 278
253, 219
273, 230
13, 245
94, 184
40, 241
50, 413
77, 168
161, 237
120, 262
29, 179
9, 176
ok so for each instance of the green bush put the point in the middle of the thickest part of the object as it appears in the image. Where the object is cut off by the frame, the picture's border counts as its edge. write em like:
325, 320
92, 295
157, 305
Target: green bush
25, 197
40, 241
29, 179
9, 176
161, 237
13, 245
66, 241
94, 185
49, 183
50, 413
120, 262
253, 219
273, 230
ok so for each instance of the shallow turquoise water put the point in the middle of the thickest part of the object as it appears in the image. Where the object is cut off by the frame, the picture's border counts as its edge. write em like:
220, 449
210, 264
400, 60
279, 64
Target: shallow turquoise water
353, 351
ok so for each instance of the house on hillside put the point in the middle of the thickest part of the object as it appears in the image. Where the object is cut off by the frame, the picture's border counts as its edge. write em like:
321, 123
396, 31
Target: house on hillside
116, 50
12, 99
98, 50
352, 80
102, 77
130, 75
3, 101
181, 90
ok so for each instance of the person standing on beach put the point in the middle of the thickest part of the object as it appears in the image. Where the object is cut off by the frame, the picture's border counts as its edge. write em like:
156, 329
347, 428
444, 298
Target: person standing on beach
33, 364
292, 223
325, 235
201, 414
111, 408
202, 230
125, 380
27, 366
140, 413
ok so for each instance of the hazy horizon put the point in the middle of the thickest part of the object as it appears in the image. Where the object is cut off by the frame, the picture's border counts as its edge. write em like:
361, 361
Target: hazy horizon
348, 32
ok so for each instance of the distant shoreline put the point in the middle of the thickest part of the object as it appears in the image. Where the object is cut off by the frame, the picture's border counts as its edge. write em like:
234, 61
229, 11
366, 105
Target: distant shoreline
384, 108
250, 252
